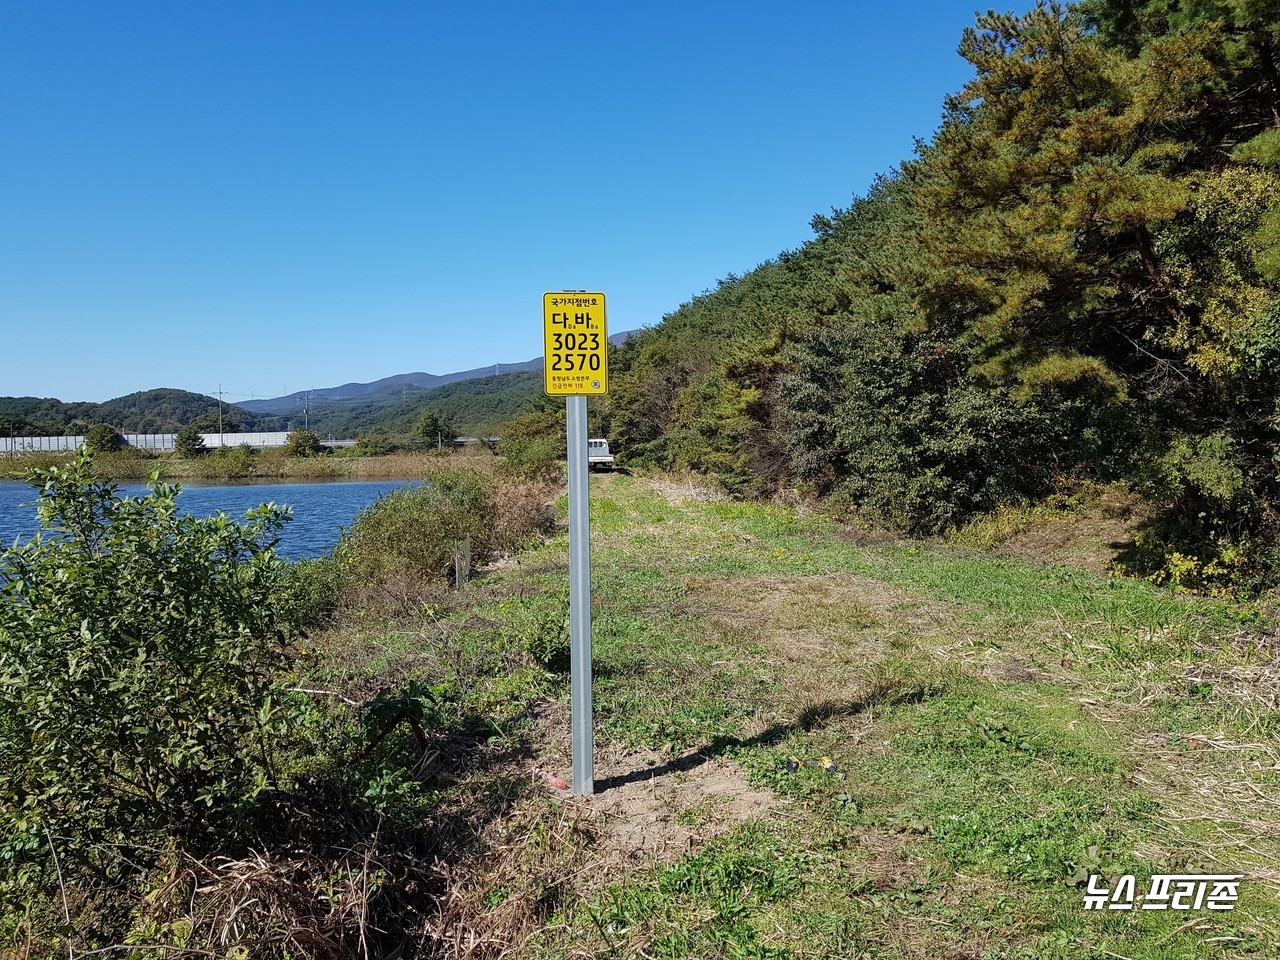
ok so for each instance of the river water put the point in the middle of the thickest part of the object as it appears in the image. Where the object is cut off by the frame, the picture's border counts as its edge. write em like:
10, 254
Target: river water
320, 509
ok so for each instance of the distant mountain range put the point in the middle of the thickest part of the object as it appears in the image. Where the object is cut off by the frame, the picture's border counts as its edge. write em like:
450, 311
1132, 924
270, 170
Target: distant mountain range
399, 384
394, 385
477, 401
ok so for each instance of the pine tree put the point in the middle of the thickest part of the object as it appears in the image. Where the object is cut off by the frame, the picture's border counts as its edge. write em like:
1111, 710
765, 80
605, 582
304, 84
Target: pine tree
1040, 195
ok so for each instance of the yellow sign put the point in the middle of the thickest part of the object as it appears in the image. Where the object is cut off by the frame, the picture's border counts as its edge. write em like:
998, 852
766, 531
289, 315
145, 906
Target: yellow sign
576, 360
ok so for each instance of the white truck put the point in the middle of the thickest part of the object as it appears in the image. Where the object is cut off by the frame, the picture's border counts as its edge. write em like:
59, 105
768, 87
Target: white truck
598, 455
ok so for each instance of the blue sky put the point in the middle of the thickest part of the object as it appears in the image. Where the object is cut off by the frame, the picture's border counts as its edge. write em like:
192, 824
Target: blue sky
275, 195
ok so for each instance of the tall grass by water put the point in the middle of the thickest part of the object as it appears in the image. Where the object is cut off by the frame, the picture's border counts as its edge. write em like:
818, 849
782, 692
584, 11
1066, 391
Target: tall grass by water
245, 463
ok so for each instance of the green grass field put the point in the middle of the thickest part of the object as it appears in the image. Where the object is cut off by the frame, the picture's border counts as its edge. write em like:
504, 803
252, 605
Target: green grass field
1001, 730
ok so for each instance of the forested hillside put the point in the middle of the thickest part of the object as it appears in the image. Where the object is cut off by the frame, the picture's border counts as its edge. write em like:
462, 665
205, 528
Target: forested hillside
163, 410
1077, 278
474, 407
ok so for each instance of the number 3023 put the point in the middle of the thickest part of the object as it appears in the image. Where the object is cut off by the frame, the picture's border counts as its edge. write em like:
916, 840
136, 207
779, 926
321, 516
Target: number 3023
569, 362
575, 341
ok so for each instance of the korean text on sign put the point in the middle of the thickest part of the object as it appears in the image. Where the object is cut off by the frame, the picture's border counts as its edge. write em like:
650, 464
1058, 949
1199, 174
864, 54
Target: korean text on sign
577, 344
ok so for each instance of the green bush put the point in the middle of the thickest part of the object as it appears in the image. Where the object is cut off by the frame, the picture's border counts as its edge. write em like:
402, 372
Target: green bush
128, 463
138, 655
535, 458
103, 438
303, 443
189, 443
532, 443
541, 628
230, 463
408, 536
435, 429
893, 424
1211, 530
374, 445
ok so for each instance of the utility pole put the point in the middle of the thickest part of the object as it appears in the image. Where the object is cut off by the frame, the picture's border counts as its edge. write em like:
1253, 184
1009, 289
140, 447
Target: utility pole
306, 411
219, 416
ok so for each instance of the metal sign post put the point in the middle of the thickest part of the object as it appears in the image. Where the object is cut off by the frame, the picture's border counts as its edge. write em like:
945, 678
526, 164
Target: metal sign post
576, 365
580, 598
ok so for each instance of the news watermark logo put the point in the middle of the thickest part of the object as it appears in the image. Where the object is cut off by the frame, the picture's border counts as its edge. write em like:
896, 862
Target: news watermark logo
1167, 891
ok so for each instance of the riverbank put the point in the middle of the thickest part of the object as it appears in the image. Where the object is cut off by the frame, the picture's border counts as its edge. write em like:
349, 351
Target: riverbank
811, 740
244, 464
1000, 732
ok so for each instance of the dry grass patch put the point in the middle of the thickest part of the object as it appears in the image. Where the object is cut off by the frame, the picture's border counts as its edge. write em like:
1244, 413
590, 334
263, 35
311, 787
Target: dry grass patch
820, 631
1090, 529
818, 613
687, 488
1220, 803
495, 900
524, 511
332, 903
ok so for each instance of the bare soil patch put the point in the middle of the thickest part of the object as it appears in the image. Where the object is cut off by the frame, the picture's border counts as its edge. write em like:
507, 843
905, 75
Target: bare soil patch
648, 807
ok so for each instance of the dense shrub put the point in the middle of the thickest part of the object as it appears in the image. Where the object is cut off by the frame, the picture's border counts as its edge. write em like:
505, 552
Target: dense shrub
407, 539
231, 463
536, 458
374, 445
303, 443
435, 429
408, 536
138, 655
1210, 529
523, 510
533, 442
103, 438
892, 424
189, 443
